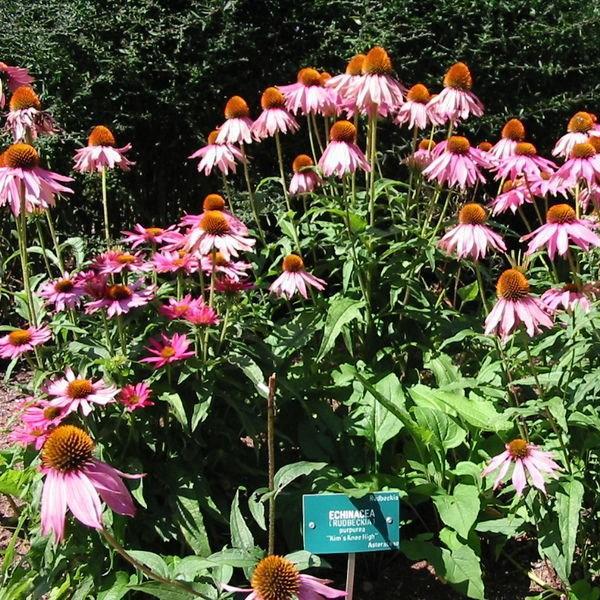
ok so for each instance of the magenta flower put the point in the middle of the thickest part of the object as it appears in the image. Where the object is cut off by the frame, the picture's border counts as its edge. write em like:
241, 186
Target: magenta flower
214, 232
72, 392
64, 293
582, 166
237, 128
29, 435
525, 162
309, 95
294, 279
516, 305
276, 577
514, 194
26, 120
342, 155
456, 101
471, 237
589, 196
513, 132
528, 460
413, 112
22, 171
567, 297
305, 179
457, 163
119, 299
101, 153
561, 228
175, 262
581, 126
115, 261
150, 235
43, 415
20, 341
202, 315
133, 397
75, 479
344, 85
423, 155
274, 117
179, 309
226, 285
167, 350
215, 155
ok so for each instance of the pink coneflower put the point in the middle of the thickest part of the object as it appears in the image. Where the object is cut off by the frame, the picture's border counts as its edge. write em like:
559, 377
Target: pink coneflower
423, 156
579, 129
75, 479
230, 268
179, 309
525, 162
22, 171
513, 132
226, 285
214, 232
202, 315
344, 85
342, 155
515, 305
167, 350
277, 578
150, 235
20, 341
63, 293
178, 261
217, 156
561, 228
42, 414
115, 261
567, 297
133, 397
29, 435
237, 128
26, 120
119, 299
16, 77
456, 100
294, 279
457, 163
514, 194
213, 202
583, 165
471, 237
309, 95
528, 460
377, 92
101, 153
72, 392
589, 196
305, 179
93, 283
274, 117
414, 112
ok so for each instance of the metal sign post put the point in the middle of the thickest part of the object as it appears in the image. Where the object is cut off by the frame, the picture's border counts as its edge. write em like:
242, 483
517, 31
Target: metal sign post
350, 576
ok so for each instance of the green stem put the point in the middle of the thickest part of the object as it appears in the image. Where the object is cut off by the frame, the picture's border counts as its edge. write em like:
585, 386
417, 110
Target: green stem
228, 194
271, 456
372, 133
146, 570
43, 247
311, 139
54, 237
251, 194
105, 206
121, 329
22, 235
316, 130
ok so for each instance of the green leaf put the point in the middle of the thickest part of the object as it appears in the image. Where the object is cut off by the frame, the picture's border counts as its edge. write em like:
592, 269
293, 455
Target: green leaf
568, 507
289, 473
163, 591
252, 371
241, 536
469, 292
460, 509
304, 559
257, 508
341, 312
153, 561
237, 557
176, 404
434, 427
191, 522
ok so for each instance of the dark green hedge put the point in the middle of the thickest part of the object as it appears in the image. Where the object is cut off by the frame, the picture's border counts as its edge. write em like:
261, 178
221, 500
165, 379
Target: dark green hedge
160, 70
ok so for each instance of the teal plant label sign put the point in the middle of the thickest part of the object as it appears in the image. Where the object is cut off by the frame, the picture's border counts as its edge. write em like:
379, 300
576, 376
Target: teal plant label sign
338, 524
